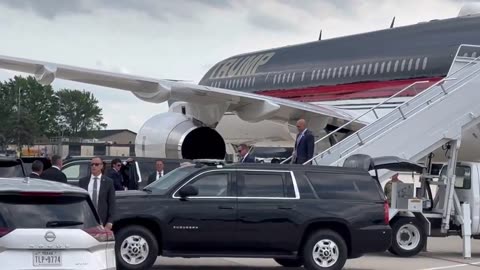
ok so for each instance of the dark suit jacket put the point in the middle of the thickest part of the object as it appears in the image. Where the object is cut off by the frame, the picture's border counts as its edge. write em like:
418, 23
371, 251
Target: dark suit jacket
54, 174
106, 198
248, 159
152, 177
117, 179
305, 147
33, 175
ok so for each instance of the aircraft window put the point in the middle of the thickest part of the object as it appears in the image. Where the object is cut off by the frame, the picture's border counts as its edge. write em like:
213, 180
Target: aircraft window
403, 65
340, 72
382, 67
346, 72
303, 75
351, 70
313, 74
323, 74
388, 66
328, 73
288, 78
417, 64
357, 70
410, 64
369, 68
375, 69
293, 77
425, 63
396, 66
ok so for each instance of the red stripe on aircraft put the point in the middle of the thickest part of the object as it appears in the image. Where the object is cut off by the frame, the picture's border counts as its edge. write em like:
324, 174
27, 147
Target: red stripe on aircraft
364, 90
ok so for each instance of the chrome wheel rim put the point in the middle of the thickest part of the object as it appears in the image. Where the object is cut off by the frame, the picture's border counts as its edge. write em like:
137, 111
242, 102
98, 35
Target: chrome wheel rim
325, 253
134, 250
408, 237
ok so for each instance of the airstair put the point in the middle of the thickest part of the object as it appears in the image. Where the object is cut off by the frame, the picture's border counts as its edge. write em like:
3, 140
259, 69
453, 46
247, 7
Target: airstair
422, 124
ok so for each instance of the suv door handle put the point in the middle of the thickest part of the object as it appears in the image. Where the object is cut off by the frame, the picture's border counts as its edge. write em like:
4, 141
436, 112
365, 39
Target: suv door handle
225, 207
285, 207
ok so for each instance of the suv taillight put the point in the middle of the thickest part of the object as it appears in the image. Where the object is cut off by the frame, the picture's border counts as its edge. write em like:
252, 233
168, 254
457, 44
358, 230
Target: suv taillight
5, 231
100, 233
386, 213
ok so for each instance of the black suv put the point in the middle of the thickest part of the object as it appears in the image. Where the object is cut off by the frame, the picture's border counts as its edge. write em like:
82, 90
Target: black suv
315, 216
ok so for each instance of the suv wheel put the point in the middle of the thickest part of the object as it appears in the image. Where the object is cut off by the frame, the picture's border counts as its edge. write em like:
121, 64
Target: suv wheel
289, 262
325, 250
409, 237
135, 248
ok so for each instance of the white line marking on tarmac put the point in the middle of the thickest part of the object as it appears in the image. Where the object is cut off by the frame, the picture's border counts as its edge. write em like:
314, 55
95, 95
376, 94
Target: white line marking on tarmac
451, 266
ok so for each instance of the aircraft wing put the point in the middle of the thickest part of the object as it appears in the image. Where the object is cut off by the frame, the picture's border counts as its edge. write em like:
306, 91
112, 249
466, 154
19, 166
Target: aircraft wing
248, 106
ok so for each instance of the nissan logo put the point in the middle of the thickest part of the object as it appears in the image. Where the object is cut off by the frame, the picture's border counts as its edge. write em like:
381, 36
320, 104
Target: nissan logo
50, 236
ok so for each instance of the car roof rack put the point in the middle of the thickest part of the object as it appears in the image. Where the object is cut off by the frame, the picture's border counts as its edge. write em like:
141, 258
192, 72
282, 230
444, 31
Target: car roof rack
209, 162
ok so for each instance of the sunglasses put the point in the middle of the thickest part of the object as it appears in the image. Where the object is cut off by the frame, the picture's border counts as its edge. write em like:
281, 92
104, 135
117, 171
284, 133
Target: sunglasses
95, 164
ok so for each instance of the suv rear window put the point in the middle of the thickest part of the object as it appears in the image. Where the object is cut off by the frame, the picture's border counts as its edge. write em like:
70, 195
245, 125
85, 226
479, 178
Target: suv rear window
18, 211
11, 168
344, 186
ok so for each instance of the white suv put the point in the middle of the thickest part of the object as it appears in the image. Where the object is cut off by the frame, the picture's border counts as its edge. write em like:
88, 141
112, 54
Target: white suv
49, 225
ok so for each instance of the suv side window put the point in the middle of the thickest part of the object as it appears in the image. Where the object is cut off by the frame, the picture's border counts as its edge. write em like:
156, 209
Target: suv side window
76, 171
212, 184
266, 184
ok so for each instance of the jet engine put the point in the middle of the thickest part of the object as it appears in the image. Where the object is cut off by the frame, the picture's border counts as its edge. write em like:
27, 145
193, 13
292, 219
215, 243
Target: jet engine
175, 135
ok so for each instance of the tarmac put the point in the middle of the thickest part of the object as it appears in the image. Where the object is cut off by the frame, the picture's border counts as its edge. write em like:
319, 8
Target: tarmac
442, 253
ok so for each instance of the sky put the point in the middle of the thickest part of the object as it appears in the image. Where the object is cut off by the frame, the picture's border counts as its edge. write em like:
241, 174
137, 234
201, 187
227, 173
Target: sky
182, 39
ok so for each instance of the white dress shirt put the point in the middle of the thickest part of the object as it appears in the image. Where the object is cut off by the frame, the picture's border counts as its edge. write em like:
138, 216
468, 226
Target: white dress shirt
90, 186
159, 174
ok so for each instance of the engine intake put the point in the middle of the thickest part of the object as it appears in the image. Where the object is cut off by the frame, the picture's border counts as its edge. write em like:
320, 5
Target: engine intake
174, 135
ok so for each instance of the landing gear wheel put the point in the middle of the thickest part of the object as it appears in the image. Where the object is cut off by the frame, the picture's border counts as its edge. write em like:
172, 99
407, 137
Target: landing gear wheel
135, 248
409, 237
325, 250
289, 262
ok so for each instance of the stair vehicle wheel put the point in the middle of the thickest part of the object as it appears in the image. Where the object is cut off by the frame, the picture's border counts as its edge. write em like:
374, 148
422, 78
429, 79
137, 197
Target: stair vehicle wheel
325, 250
408, 237
289, 262
135, 248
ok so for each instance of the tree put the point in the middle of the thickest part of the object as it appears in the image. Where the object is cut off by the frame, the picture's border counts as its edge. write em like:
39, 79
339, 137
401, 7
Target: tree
29, 110
79, 112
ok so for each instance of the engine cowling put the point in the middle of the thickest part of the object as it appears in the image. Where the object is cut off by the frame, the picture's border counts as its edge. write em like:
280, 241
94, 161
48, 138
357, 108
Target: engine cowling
174, 135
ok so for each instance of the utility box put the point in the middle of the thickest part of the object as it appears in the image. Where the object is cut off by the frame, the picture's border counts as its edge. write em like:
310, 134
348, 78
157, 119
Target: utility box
401, 194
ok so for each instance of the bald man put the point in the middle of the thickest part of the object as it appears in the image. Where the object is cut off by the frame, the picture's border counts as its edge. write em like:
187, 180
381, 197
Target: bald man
304, 144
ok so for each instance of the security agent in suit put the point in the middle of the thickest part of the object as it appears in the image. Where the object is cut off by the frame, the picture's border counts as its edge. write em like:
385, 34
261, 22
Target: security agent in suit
54, 173
304, 144
37, 169
102, 192
115, 174
244, 154
158, 172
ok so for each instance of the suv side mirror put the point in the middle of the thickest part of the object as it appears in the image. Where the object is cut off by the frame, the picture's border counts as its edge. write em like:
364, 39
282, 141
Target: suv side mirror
188, 191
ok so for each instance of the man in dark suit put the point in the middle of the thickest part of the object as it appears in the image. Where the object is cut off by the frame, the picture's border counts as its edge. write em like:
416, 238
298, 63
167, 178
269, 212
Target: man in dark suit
102, 192
244, 154
304, 144
158, 172
54, 173
114, 174
37, 169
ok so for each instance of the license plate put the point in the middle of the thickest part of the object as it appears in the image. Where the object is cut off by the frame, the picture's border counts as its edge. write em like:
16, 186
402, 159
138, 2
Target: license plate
47, 258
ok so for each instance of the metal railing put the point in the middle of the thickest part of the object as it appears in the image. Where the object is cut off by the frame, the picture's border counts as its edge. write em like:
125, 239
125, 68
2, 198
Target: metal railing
403, 114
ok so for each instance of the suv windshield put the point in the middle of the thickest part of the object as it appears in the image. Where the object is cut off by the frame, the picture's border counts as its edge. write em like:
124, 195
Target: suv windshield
17, 211
164, 184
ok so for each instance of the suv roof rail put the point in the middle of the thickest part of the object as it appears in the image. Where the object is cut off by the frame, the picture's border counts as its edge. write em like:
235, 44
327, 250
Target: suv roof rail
209, 162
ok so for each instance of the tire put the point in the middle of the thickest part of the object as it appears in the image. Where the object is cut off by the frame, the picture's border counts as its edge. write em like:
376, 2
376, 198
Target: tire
289, 262
135, 248
329, 244
408, 237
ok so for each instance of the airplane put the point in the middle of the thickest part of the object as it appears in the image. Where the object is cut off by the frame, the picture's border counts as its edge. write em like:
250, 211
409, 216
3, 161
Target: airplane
257, 97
